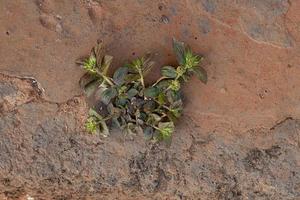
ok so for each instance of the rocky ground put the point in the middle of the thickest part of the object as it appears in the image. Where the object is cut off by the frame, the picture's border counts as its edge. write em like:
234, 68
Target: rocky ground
239, 137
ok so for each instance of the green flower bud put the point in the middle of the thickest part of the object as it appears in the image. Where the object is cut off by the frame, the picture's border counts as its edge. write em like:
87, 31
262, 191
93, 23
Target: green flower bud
175, 85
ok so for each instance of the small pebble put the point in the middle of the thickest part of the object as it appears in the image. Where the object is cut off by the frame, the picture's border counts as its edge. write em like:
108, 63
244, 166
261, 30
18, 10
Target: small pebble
223, 90
58, 28
59, 17
29, 197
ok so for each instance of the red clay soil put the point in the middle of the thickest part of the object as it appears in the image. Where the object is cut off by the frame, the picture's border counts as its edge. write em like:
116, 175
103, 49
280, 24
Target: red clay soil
239, 137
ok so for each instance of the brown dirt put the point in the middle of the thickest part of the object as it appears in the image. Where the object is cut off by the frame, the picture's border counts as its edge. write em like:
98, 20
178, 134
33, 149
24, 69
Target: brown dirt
239, 136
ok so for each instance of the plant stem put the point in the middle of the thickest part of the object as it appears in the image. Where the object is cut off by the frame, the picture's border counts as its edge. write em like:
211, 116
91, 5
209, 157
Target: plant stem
165, 107
160, 79
142, 77
105, 78
152, 126
176, 79
108, 80
104, 119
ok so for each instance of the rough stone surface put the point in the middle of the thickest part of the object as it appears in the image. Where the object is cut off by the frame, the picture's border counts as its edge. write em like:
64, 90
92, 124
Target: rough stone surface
45, 154
239, 137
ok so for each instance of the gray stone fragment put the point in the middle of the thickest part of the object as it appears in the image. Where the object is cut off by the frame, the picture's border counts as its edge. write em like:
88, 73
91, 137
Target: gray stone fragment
7, 90
204, 25
209, 5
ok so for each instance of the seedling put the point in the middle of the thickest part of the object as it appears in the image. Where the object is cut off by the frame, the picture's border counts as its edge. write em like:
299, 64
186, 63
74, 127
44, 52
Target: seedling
127, 103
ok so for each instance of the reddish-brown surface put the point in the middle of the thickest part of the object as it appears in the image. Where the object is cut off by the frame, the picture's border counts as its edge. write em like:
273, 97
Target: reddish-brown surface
238, 139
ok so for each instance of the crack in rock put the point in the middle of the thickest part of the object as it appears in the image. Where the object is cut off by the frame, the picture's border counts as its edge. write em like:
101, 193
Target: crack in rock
281, 122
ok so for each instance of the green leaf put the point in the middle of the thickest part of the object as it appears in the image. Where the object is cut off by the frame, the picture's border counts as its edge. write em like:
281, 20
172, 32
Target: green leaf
89, 83
113, 111
104, 131
148, 132
123, 122
98, 53
132, 92
118, 122
177, 105
101, 88
135, 65
122, 89
91, 88
191, 60
115, 122
161, 98
149, 106
151, 92
138, 120
172, 117
166, 129
121, 102
131, 78
93, 113
130, 129
176, 112
120, 75
86, 79
169, 72
180, 70
201, 74
143, 116
173, 96
108, 94
179, 50
155, 117
96, 124
175, 85
163, 125
147, 64
106, 62
90, 65
162, 85
91, 125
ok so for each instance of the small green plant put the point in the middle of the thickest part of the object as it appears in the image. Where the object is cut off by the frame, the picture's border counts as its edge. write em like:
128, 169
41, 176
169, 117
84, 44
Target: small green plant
126, 102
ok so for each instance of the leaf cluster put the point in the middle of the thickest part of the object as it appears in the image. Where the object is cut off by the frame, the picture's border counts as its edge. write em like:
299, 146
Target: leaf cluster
127, 103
